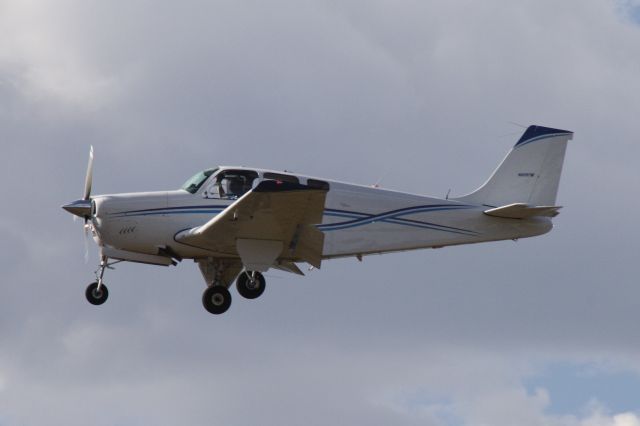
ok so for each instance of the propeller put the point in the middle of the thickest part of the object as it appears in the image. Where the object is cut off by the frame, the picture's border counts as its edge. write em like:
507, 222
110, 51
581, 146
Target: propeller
88, 181
82, 208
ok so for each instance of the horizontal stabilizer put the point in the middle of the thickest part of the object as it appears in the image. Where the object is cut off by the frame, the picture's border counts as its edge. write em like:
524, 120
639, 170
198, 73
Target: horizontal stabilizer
523, 211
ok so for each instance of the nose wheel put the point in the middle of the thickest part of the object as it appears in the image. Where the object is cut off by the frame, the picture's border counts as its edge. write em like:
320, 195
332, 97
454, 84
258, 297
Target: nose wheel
216, 299
95, 295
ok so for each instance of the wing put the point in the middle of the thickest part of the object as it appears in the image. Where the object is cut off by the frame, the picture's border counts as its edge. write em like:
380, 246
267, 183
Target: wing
523, 211
275, 221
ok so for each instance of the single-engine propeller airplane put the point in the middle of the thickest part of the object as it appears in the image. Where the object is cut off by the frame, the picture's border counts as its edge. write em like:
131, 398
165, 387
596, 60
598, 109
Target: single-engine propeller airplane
238, 222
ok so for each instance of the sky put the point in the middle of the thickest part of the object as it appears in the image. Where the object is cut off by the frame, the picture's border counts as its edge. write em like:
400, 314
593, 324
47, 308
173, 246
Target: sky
423, 96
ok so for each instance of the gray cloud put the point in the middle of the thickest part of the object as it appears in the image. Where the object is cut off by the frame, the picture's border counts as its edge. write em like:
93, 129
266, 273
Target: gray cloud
418, 93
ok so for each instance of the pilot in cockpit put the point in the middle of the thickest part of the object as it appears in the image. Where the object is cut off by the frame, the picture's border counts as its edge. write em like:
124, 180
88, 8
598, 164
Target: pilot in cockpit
233, 186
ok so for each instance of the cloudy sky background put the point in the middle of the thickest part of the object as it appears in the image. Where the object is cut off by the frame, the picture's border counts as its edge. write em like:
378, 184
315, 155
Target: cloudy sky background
422, 94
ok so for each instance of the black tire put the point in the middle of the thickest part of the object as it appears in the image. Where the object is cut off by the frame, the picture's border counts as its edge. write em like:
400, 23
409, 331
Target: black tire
250, 289
95, 296
216, 299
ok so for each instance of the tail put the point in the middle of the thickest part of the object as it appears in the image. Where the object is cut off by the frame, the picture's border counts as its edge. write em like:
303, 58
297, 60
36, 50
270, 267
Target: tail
529, 174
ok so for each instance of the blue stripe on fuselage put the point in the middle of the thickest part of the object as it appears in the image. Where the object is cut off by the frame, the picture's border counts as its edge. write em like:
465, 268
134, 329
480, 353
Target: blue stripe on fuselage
357, 218
395, 217
172, 210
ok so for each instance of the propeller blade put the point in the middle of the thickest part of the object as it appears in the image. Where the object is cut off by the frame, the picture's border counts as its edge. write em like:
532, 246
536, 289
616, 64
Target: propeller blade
89, 178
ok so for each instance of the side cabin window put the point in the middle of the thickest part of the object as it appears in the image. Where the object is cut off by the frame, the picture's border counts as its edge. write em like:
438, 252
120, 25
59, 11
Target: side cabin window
318, 184
231, 184
281, 177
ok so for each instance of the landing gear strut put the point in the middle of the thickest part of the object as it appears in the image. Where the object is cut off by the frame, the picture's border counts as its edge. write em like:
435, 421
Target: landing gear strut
97, 293
218, 274
250, 284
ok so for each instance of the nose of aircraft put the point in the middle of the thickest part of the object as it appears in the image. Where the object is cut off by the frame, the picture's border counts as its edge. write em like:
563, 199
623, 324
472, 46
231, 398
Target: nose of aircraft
81, 208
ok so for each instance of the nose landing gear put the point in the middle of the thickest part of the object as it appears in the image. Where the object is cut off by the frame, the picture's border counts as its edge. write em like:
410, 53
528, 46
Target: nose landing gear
96, 296
97, 293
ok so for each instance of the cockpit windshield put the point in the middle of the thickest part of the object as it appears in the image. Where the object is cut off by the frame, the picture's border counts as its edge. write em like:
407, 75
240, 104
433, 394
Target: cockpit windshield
195, 182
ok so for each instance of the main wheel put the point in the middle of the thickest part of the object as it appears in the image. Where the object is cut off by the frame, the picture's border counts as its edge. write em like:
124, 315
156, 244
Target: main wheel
250, 286
95, 296
216, 299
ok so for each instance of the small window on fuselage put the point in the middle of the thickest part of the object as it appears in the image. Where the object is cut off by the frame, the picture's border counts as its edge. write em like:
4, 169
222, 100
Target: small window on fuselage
318, 184
281, 177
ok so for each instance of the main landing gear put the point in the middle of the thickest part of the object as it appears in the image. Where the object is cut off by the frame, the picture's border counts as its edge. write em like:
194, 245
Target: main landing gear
216, 299
250, 285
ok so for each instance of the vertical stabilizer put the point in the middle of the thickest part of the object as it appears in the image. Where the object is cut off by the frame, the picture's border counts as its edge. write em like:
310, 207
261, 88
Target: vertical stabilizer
530, 173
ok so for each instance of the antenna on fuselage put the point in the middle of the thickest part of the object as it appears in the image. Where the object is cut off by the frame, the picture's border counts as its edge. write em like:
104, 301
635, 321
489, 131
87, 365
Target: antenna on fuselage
379, 181
446, 197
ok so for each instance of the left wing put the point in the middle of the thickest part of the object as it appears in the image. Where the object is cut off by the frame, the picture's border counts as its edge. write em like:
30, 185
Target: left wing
273, 221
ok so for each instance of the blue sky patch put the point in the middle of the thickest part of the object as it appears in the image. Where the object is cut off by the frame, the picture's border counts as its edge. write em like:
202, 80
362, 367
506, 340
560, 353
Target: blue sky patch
630, 9
572, 386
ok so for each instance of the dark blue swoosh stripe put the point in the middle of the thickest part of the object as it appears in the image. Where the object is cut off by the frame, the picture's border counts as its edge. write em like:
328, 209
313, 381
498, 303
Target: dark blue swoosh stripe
394, 216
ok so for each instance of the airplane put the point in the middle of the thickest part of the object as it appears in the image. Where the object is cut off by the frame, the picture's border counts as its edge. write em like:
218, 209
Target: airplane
238, 222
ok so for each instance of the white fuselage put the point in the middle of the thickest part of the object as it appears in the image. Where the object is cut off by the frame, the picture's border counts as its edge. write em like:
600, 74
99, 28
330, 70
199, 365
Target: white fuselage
238, 222
357, 220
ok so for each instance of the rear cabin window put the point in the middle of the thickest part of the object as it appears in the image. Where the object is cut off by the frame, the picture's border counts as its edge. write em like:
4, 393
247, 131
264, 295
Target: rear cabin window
318, 184
281, 177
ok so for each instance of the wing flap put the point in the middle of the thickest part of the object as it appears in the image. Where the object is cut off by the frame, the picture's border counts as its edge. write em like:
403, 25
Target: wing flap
523, 211
258, 255
308, 246
288, 267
